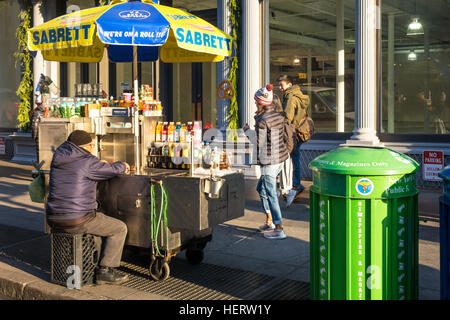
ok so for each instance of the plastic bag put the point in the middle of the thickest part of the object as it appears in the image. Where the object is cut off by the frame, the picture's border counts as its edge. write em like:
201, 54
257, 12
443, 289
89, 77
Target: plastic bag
37, 189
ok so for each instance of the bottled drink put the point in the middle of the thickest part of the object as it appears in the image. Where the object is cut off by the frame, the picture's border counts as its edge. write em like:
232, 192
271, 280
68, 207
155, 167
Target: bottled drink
189, 132
158, 131
177, 132
183, 130
171, 132
197, 136
215, 158
62, 108
206, 153
164, 131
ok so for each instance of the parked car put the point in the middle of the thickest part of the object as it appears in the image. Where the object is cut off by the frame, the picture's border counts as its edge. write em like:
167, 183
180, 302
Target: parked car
323, 108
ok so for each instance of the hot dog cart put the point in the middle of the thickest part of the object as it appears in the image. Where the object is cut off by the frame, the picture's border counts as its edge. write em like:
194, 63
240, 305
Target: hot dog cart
163, 218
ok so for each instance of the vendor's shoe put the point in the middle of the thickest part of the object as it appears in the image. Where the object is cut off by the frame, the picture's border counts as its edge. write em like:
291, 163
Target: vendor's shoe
267, 227
106, 275
277, 234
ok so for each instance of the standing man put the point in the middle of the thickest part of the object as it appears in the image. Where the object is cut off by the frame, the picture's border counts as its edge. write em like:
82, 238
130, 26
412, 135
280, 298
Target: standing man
72, 205
295, 106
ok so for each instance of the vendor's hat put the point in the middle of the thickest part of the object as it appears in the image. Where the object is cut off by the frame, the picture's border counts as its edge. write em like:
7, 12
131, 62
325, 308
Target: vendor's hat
264, 95
80, 137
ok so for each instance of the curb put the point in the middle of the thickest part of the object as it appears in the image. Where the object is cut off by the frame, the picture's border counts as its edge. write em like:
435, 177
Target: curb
20, 285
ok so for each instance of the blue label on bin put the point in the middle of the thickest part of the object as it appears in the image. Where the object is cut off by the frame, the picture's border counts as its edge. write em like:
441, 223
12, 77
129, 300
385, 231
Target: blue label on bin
364, 186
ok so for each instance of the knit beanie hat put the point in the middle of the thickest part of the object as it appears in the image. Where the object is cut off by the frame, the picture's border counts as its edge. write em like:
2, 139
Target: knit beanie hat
80, 137
264, 95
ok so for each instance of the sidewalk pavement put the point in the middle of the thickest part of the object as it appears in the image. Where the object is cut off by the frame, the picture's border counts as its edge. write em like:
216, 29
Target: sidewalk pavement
235, 244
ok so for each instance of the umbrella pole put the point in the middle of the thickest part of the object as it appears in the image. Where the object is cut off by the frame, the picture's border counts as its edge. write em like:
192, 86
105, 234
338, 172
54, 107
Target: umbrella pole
136, 110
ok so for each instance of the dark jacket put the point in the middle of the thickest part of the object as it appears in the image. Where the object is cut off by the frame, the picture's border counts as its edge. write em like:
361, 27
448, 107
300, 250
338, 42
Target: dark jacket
74, 174
269, 126
295, 105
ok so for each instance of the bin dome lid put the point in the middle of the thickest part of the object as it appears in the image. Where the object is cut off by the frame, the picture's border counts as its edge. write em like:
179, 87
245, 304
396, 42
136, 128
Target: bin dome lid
364, 161
445, 174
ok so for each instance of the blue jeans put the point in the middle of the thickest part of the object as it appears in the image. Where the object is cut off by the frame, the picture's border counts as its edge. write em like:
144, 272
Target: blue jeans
267, 189
297, 175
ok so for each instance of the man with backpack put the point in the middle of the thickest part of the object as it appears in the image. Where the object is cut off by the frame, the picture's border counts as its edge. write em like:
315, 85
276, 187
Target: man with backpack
295, 106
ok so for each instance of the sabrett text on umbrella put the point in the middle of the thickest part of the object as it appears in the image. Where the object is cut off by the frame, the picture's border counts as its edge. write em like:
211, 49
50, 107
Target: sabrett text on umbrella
202, 39
61, 34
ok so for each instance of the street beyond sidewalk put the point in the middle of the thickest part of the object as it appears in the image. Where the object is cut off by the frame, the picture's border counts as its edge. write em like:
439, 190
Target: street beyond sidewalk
236, 244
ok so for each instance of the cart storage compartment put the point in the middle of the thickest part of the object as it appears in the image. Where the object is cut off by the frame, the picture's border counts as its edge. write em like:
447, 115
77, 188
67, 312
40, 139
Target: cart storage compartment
189, 208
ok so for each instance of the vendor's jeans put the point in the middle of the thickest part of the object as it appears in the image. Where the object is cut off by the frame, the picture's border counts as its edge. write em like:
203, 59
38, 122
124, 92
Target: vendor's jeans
267, 189
297, 175
113, 233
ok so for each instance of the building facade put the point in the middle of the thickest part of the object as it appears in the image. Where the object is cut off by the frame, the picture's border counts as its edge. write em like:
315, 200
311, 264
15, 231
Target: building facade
315, 42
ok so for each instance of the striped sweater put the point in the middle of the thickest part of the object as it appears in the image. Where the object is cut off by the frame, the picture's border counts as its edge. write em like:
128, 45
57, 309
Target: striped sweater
271, 146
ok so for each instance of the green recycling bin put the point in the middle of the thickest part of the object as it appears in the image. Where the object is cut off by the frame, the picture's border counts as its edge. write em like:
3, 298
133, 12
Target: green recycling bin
364, 225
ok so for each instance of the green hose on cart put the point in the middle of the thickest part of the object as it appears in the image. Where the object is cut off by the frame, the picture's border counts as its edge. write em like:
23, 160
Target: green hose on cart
162, 215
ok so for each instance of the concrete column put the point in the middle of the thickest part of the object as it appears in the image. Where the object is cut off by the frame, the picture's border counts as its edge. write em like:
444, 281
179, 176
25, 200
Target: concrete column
104, 72
40, 66
366, 74
38, 61
391, 77
309, 77
340, 67
250, 60
266, 36
223, 68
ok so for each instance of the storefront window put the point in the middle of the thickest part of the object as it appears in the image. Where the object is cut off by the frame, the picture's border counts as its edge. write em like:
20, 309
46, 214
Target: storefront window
194, 84
9, 21
416, 67
303, 45
80, 72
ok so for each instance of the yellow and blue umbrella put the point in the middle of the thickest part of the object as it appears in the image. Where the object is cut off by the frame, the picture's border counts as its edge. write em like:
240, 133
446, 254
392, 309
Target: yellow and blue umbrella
157, 30
132, 31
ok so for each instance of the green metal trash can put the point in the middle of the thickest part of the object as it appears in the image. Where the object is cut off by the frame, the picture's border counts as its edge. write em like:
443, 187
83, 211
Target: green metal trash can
364, 225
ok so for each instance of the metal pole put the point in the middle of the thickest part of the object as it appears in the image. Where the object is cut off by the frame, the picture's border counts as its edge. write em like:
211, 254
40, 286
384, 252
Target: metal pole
366, 74
391, 79
136, 109
340, 67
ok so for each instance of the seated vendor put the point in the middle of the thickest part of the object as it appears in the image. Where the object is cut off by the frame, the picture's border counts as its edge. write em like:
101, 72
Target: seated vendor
71, 204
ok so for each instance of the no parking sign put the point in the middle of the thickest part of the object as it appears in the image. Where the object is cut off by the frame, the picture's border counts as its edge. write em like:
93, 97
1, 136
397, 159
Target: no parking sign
2, 145
433, 163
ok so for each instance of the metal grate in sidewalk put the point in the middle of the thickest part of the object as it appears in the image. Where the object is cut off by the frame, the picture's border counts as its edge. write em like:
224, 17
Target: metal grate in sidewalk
212, 282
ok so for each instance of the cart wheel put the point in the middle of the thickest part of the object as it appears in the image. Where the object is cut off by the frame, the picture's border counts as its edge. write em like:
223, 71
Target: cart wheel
159, 270
194, 256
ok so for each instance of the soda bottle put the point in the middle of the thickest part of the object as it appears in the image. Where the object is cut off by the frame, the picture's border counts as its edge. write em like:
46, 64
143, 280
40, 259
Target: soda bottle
164, 131
189, 132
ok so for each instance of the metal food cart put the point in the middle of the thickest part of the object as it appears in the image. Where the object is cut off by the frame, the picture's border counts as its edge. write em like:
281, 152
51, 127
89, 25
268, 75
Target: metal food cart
195, 203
